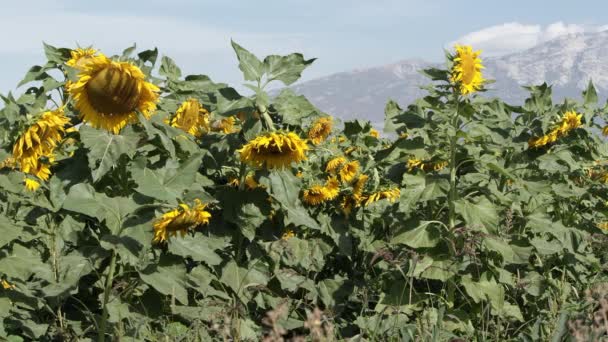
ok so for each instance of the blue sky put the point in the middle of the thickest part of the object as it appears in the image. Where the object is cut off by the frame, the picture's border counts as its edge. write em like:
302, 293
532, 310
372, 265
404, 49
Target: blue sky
342, 34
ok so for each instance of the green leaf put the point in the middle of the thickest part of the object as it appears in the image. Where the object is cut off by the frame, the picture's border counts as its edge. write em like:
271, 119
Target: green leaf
239, 278
590, 94
485, 289
334, 291
56, 55
287, 69
168, 280
284, 186
10, 231
391, 113
426, 235
197, 247
105, 148
83, 199
480, 214
293, 108
169, 69
249, 64
510, 253
169, 182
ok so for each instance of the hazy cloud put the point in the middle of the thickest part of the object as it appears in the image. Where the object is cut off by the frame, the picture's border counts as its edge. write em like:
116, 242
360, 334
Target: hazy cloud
512, 37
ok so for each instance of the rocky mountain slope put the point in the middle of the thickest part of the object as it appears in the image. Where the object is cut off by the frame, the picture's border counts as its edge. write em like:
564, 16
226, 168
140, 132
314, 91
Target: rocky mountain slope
567, 62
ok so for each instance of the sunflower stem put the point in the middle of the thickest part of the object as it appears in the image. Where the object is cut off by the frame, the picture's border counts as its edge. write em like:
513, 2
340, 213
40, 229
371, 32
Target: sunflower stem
453, 168
267, 119
106, 298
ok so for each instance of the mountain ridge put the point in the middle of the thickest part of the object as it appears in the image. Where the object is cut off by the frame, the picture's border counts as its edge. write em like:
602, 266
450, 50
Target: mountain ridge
567, 63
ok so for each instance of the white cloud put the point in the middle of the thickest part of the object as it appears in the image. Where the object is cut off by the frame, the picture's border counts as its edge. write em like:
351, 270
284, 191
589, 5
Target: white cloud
513, 37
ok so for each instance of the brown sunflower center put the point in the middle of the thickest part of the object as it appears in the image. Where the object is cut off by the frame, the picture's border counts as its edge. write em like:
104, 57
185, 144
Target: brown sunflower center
113, 92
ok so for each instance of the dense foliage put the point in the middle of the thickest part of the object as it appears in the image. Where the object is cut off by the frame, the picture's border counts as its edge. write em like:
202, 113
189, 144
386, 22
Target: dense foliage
186, 211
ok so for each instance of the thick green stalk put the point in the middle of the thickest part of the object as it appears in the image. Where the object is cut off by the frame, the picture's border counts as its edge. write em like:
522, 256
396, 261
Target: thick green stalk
106, 298
267, 119
452, 195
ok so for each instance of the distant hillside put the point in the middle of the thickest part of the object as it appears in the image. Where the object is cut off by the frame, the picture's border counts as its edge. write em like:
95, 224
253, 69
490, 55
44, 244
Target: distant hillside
568, 63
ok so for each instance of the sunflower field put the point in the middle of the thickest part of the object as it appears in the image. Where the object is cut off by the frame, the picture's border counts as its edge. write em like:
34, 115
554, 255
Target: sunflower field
140, 204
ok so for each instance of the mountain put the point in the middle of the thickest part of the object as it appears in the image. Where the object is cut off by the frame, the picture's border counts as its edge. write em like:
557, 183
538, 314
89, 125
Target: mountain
567, 62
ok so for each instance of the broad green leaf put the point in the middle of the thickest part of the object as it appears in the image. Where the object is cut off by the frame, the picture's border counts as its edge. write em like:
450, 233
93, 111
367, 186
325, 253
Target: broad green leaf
391, 112
479, 214
293, 108
10, 231
287, 69
105, 148
168, 280
83, 199
249, 64
196, 247
169, 69
284, 186
169, 182
426, 235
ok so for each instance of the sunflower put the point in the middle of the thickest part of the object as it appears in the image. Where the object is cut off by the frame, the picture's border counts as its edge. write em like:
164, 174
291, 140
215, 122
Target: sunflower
274, 150
321, 193
191, 117
603, 226
570, 120
605, 130
109, 94
390, 194
347, 204
349, 171
81, 57
6, 285
226, 125
288, 234
34, 148
315, 195
332, 187
358, 188
466, 72
180, 219
8, 163
31, 184
334, 164
374, 133
320, 130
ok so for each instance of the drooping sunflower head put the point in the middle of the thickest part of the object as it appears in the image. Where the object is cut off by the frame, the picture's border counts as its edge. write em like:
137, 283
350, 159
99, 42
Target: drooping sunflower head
180, 219
274, 150
81, 57
605, 131
332, 187
320, 130
225, 125
191, 117
572, 120
391, 195
466, 71
334, 164
109, 94
34, 148
315, 195
288, 234
349, 171
358, 188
